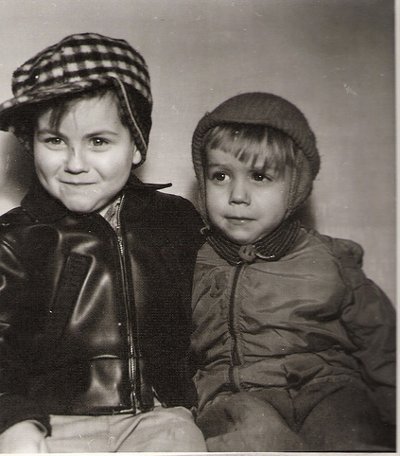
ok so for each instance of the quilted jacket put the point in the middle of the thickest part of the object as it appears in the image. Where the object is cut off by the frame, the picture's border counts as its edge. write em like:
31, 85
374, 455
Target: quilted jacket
310, 317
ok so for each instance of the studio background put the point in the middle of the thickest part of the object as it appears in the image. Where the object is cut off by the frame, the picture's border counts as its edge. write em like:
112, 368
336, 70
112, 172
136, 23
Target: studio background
332, 58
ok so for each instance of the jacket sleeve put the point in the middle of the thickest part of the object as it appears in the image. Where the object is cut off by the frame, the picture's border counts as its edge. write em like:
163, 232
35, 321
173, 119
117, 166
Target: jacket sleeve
190, 240
370, 320
15, 405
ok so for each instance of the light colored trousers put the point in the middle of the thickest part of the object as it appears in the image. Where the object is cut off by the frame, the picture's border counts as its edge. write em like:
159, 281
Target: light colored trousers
161, 430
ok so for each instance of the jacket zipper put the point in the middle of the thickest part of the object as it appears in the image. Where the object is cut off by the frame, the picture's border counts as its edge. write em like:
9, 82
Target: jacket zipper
132, 368
235, 358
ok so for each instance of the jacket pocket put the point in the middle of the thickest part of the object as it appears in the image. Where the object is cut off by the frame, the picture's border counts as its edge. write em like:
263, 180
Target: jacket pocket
73, 275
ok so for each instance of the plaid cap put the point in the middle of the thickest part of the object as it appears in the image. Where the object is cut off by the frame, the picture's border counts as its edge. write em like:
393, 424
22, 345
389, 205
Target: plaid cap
82, 62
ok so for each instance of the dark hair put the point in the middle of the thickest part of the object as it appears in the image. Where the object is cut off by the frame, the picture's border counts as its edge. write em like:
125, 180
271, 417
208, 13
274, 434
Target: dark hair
25, 121
248, 142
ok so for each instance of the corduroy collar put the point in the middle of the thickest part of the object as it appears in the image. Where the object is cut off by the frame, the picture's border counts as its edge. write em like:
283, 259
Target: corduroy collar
270, 248
43, 207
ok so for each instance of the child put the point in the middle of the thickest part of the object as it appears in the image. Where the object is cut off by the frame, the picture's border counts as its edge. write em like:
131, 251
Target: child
295, 347
95, 266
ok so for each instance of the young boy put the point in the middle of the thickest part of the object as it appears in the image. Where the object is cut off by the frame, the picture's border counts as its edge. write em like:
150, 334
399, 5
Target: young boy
295, 346
95, 266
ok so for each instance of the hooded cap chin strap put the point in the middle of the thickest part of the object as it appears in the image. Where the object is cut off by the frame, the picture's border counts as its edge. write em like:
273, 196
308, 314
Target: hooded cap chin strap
271, 247
300, 184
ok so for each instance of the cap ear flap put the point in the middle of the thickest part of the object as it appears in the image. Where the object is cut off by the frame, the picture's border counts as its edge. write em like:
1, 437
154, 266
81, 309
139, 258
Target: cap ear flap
301, 183
136, 156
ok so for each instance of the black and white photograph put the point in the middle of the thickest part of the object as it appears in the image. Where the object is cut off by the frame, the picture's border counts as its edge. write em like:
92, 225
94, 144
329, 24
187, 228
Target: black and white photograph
198, 214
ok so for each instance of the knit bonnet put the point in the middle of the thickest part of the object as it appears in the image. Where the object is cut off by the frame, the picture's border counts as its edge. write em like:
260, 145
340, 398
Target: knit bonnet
259, 108
80, 63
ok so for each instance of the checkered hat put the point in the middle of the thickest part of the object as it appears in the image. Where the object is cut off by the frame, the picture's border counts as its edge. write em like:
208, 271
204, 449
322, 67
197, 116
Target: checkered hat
82, 62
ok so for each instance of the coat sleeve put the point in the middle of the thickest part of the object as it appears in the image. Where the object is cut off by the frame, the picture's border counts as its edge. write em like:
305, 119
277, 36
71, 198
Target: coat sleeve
370, 321
15, 404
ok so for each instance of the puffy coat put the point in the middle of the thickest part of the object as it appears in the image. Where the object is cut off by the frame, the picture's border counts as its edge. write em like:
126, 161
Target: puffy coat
311, 316
91, 323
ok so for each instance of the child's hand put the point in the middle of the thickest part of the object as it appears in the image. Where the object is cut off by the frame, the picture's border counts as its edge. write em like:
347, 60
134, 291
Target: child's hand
23, 437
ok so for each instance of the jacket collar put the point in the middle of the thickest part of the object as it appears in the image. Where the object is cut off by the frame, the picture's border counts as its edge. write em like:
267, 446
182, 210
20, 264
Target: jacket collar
43, 207
271, 247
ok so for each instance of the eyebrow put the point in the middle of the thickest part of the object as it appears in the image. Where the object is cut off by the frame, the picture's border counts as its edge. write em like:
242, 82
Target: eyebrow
43, 131
103, 132
214, 162
251, 167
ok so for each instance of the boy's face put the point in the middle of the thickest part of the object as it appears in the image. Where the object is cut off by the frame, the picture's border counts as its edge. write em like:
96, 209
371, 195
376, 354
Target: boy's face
244, 201
87, 159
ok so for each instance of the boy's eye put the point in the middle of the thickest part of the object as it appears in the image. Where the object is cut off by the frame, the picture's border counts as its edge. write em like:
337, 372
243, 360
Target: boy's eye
54, 141
259, 177
99, 142
218, 176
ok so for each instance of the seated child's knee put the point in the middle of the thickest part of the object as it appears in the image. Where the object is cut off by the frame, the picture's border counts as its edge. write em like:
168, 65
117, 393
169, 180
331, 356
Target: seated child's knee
243, 422
240, 410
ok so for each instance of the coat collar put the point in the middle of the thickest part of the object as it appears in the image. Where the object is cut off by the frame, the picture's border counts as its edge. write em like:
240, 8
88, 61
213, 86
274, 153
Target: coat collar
44, 208
271, 247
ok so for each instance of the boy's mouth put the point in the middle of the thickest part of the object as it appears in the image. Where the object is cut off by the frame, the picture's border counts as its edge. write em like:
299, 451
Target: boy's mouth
77, 184
238, 220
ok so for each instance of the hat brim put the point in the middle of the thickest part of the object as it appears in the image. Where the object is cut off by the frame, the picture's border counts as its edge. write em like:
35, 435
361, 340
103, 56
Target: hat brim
17, 104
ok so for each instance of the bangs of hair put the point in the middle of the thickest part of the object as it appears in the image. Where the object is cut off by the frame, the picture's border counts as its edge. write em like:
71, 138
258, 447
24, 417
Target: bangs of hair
25, 121
59, 107
249, 142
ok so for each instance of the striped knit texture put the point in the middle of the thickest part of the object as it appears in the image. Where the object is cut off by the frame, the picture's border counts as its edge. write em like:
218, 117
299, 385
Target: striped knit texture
271, 247
81, 62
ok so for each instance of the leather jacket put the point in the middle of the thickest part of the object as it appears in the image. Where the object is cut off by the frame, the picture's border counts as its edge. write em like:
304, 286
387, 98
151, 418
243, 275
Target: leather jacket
91, 322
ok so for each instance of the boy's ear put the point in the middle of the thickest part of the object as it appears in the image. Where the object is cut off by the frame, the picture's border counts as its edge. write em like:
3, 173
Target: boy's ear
137, 156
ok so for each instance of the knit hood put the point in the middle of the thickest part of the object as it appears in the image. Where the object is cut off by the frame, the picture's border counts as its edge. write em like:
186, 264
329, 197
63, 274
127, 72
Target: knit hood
259, 108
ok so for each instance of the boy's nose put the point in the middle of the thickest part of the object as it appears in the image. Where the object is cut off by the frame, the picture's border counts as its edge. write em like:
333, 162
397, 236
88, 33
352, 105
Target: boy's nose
75, 162
239, 193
